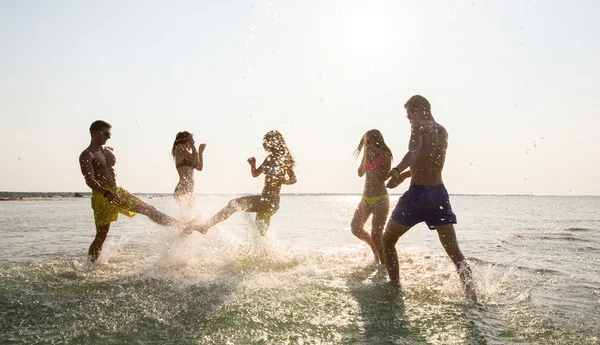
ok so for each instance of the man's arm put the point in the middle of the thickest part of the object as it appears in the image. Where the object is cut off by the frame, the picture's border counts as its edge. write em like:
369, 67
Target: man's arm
87, 169
403, 176
414, 147
398, 174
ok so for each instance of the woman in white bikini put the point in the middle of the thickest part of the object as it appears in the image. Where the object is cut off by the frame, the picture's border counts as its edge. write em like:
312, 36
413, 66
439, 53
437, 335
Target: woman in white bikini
375, 164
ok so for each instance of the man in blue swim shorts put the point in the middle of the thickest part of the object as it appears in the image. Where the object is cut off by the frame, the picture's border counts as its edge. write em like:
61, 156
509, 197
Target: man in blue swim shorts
426, 199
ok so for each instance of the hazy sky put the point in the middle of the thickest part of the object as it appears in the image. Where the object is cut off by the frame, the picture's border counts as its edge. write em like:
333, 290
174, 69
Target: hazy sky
516, 83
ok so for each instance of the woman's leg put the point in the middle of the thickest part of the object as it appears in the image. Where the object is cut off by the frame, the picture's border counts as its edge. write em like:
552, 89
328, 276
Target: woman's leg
380, 213
263, 221
267, 208
243, 204
362, 213
184, 193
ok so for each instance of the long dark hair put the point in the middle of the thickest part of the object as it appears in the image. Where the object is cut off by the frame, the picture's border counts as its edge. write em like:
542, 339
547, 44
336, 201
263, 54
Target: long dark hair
372, 136
274, 143
180, 138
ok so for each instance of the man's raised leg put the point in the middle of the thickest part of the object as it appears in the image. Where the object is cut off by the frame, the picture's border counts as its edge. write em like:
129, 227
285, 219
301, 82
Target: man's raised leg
157, 216
448, 239
392, 233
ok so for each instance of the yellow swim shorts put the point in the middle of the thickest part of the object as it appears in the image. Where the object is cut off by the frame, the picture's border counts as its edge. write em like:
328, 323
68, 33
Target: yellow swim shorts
106, 213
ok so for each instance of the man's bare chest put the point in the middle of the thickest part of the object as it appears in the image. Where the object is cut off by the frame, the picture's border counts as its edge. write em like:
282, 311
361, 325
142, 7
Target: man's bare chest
104, 159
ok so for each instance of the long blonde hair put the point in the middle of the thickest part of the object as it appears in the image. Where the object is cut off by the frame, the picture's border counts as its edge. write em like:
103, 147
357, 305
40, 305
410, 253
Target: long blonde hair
274, 143
372, 136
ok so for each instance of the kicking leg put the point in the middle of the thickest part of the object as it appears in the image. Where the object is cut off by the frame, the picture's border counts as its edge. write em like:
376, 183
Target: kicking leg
243, 204
157, 216
392, 233
362, 213
448, 239
96, 246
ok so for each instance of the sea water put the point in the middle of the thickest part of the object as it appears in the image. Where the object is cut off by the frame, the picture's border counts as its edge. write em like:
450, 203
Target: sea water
536, 261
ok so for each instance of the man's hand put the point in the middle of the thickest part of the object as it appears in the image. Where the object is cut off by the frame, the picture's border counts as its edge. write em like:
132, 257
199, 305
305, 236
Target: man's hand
393, 182
395, 179
112, 198
252, 161
201, 148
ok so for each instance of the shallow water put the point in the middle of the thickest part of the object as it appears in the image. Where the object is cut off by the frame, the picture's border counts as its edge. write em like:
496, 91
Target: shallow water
536, 261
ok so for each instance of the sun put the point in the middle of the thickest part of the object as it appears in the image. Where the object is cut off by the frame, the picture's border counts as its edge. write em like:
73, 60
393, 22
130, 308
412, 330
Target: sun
365, 30
369, 31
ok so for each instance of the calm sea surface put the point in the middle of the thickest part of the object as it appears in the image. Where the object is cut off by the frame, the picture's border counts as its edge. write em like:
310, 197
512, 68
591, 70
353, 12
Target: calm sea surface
536, 261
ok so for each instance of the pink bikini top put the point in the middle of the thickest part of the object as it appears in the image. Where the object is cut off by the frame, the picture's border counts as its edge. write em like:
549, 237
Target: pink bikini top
372, 166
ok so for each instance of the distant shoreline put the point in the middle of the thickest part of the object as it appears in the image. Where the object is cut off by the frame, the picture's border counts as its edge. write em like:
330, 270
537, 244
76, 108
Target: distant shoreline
15, 196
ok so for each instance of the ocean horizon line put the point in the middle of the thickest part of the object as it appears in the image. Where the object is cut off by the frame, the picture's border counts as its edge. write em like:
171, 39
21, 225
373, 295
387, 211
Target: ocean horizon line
16, 195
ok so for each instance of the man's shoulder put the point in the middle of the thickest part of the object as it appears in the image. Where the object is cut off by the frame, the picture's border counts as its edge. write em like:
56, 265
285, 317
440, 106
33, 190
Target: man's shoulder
86, 152
422, 125
441, 128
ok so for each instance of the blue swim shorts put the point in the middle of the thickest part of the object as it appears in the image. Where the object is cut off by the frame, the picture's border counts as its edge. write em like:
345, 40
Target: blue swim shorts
429, 204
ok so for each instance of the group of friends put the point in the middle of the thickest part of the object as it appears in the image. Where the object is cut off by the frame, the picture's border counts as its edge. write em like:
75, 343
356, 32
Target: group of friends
426, 200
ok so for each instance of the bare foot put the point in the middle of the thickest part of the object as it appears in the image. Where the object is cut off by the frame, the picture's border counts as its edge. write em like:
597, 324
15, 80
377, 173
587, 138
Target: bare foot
395, 284
187, 230
466, 277
470, 291
380, 275
201, 228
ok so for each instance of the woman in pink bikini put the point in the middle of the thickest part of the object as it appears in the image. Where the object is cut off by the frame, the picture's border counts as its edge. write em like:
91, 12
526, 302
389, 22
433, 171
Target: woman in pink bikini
375, 164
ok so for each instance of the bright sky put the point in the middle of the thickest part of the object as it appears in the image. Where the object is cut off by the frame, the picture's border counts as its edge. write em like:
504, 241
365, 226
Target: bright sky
515, 83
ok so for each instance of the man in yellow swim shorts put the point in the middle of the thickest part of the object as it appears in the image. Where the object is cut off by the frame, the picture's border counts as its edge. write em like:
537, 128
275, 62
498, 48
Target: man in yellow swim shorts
97, 164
